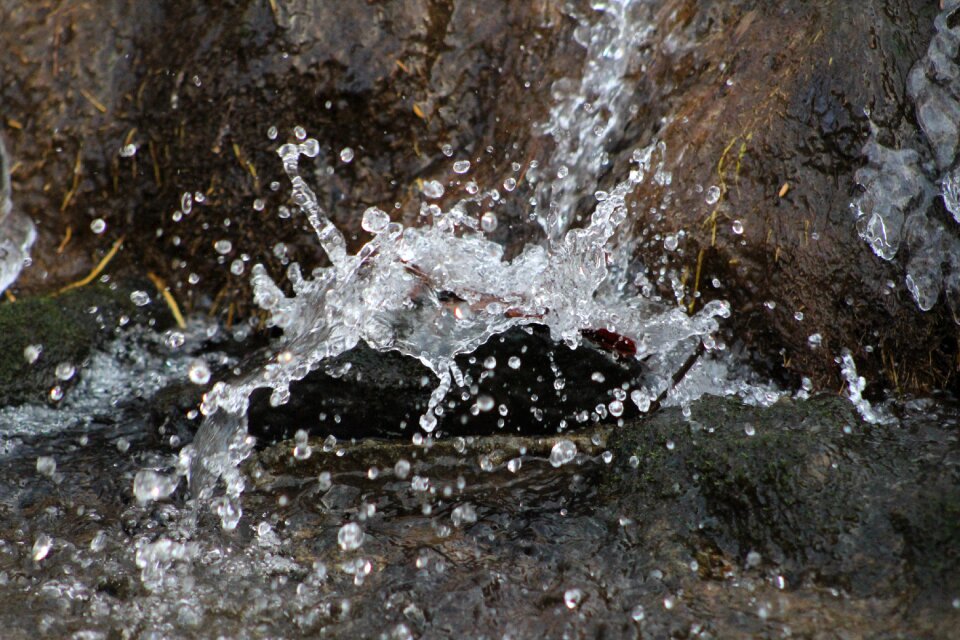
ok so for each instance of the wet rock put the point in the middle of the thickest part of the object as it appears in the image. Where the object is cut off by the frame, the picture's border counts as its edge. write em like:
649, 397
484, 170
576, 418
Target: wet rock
763, 110
806, 488
130, 109
366, 393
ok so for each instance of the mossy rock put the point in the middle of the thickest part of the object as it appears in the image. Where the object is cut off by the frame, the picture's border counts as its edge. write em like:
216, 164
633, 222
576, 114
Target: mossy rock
66, 327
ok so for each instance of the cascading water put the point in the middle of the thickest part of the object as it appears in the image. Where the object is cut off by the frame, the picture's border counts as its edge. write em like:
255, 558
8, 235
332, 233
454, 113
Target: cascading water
17, 232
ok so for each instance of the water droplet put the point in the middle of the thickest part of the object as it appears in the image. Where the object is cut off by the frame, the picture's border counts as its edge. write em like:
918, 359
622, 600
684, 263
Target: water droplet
223, 247
798, 316
199, 372
31, 353
140, 298
607, 457
616, 408
56, 393
463, 514
401, 469
485, 403
509, 184
128, 150
488, 221
346, 155
272, 133
148, 485
514, 464
815, 340
713, 195
670, 243
300, 133
749, 430
350, 536
41, 547
737, 227
472, 188
572, 598
514, 362
237, 267
98, 226
638, 613
432, 189
461, 166
562, 452
374, 220
46, 466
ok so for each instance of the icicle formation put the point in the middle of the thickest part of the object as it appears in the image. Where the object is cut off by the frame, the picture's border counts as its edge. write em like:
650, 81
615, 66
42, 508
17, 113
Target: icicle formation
441, 290
17, 232
895, 209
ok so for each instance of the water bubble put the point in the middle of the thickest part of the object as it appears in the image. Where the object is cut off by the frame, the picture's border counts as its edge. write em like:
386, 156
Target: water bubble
401, 469
41, 547
488, 221
737, 227
98, 226
562, 452
140, 298
31, 353
374, 220
472, 188
198, 371
572, 598
509, 184
46, 466
350, 536
461, 166
148, 485
463, 514
346, 155
432, 189
223, 247
513, 362
713, 195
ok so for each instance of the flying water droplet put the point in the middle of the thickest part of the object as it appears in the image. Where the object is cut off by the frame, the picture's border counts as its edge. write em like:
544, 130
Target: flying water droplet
562, 452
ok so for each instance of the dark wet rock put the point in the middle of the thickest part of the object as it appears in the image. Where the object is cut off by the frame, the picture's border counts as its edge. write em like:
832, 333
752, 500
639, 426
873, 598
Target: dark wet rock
817, 523
807, 486
366, 393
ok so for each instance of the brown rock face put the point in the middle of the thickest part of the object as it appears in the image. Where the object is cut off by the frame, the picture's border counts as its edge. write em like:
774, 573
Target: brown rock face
766, 102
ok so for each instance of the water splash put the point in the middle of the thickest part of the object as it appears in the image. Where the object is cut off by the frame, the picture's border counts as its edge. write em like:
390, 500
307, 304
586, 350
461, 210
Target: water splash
17, 233
438, 291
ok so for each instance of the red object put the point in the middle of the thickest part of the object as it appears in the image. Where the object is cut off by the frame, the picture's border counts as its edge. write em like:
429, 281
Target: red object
611, 341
